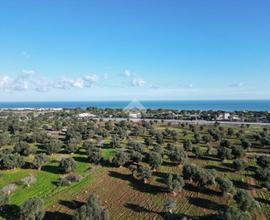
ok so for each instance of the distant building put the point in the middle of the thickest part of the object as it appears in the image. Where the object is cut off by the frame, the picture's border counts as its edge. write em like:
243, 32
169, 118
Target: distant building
86, 115
135, 115
224, 116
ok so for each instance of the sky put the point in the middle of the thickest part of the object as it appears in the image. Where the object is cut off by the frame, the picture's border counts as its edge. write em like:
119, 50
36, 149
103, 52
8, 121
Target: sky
75, 50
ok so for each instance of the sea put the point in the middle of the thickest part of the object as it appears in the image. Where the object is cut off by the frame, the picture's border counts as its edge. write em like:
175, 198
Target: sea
224, 105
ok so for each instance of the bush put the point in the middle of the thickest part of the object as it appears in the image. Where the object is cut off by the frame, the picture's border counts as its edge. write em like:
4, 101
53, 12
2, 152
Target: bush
136, 156
263, 161
52, 145
92, 210
120, 158
154, 160
94, 155
239, 164
29, 180
225, 185
67, 165
8, 189
245, 201
23, 148
32, 209
4, 199
233, 213
175, 183
178, 155
68, 180
143, 173
39, 160
11, 161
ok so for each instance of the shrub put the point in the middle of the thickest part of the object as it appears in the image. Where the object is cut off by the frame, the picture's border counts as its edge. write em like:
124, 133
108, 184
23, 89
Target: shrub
92, 210
8, 189
32, 209
11, 161
175, 183
23, 148
68, 180
39, 160
120, 159
94, 155
67, 165
245, 201
52, 145
154, 160
29, 180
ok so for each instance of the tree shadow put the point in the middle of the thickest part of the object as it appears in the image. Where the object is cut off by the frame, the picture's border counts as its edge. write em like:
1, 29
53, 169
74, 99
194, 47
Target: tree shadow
105, 163
10, 212
218, 168
169, 164
229, 165
136, 208
262, 200
251, 168
206, 158
50, 215
71, 204
138, 184
51, 169
81, 159
206, 191
244, 185
162, 177
166, 215
206, 204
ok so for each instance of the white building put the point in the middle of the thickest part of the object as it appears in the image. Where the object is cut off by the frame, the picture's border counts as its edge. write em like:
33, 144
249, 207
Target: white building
86, 115
224, 116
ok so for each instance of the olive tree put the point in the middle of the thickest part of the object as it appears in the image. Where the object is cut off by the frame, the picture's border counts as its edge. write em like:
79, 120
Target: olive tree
67, 165
32, 209
120, 158
52, 146
154, 160
94, 155
233, 213
92, 210
144, 173
11, 161
28, 180
177, 155
39, 160
23, 148
175, 183
225, 185
245, 201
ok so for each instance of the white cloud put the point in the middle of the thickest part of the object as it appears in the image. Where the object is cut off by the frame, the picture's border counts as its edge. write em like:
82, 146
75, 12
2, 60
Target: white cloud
237, 85
138, 82
29, 80
4, 81
183, 85
29, 72
128, 73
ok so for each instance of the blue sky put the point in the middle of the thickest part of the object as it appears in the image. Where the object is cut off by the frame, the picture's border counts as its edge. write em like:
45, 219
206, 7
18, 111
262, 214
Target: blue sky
125, 49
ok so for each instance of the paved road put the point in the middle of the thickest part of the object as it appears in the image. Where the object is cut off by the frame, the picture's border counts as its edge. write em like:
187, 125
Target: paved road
175, 121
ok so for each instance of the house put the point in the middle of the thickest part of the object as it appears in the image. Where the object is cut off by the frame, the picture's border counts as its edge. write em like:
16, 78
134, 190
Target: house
224, 116
86, 115
134, 115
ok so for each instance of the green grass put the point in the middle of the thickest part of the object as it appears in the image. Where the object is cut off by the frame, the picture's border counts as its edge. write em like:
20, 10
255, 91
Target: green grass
45, 186
107, 153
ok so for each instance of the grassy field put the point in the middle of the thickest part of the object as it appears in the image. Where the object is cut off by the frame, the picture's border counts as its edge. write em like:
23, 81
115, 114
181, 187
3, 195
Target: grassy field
127, 198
